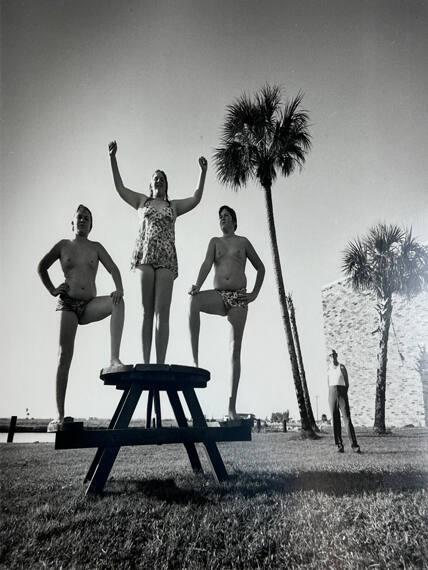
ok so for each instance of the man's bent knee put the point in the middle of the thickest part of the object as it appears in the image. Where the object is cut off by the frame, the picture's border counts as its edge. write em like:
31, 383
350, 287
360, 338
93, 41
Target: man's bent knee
116, 306
194, 304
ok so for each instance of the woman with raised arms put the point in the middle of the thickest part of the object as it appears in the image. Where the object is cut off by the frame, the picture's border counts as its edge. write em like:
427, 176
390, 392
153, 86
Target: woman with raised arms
154, 253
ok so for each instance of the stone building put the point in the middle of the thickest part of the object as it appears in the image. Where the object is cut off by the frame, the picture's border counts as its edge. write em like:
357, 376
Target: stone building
349, 320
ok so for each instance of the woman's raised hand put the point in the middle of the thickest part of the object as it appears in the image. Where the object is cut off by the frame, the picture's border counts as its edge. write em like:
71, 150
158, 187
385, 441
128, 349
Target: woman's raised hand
112, 148
203, 163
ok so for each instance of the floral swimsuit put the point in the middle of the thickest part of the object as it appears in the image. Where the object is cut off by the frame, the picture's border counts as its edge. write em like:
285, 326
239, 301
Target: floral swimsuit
155, 244
231, 298
77, 306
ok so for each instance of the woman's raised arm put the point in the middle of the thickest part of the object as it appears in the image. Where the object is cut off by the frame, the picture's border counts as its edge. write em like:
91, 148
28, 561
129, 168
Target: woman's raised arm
186, 204
132, 198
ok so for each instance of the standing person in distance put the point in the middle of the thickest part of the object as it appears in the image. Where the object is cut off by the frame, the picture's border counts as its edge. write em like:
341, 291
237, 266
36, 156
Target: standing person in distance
338, 400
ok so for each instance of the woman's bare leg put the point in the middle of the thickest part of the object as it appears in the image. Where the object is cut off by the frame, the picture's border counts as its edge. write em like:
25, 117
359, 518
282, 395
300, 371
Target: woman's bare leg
164, 282
148, 296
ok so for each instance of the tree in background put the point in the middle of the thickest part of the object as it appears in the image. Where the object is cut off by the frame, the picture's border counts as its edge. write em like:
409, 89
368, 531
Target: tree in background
261, 138
302, 372
387, 261
279, 417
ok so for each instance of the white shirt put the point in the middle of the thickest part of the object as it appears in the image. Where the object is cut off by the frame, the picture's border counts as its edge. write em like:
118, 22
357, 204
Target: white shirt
335, 376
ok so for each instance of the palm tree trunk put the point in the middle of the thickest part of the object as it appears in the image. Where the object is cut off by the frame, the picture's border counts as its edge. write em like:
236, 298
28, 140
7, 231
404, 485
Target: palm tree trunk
306, 426
302, 372
384, 309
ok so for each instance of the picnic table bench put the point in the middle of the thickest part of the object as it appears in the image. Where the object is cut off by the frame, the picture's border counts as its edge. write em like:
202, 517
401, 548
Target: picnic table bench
133, 380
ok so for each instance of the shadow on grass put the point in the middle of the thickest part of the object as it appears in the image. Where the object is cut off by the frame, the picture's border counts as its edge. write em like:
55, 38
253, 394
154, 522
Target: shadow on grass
162, 489
251, 484
391, 434
330, 482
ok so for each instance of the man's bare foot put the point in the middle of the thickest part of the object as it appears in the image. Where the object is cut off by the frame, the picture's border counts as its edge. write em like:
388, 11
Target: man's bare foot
232, 415
116, 363
58, 423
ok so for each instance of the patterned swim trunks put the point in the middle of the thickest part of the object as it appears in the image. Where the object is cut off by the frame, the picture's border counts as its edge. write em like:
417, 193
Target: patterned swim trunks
77, 306
231, 298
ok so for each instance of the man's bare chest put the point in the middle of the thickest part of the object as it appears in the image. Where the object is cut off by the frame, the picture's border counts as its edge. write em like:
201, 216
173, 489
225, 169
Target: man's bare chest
230, 250
79, 257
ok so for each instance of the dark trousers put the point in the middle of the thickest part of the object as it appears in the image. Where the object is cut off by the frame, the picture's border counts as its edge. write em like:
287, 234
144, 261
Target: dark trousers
338, 400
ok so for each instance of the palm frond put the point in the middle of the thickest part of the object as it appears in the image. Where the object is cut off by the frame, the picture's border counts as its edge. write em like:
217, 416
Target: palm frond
293, 140
269, 100
413, 266
382, 237
264, 137
355, 266
387, 260
239, 117
383, 244
268, 103
233, 164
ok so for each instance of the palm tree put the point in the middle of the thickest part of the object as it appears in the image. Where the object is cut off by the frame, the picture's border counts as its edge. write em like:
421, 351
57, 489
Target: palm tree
387, 261
302, 372
261, 138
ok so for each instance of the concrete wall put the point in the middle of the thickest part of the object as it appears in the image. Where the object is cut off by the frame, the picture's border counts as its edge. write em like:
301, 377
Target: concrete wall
349, 319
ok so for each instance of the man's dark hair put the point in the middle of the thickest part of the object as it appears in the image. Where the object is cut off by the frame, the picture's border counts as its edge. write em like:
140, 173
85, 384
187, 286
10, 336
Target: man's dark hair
83, 207
231, 212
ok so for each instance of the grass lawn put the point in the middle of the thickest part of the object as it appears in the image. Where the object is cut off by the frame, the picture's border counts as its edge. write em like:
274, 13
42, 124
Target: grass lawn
289, 504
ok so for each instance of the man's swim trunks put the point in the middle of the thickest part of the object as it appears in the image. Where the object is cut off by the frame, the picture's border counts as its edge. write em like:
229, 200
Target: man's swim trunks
231, 299
77, 306
155, 243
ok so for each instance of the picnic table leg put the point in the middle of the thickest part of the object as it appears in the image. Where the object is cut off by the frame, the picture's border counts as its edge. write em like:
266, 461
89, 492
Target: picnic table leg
157, 409
98, 454
149, 410
213, 453
182, 422
109, 454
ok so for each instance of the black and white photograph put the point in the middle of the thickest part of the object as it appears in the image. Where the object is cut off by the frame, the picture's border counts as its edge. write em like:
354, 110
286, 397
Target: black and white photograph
214, 274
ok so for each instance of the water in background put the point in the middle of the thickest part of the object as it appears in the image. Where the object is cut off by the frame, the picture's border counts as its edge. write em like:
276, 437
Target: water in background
29, 437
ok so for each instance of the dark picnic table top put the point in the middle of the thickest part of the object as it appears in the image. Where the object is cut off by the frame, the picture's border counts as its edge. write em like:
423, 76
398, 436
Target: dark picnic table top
156, 376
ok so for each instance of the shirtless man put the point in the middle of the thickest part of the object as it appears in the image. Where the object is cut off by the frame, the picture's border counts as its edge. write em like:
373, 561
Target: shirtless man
229, 298
78, 302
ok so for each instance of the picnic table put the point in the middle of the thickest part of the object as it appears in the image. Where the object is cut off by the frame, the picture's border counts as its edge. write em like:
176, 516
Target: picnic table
133, 380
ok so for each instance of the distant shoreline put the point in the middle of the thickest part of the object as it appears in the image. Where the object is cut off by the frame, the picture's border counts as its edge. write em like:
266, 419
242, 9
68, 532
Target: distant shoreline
38, 425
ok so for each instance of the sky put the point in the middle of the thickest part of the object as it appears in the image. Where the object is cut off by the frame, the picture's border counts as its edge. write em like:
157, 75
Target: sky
157, 77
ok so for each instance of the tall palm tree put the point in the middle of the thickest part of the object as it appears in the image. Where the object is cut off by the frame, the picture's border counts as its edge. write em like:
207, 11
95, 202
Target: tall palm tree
263, 137
387, 261
296, 340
